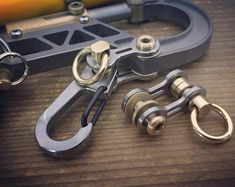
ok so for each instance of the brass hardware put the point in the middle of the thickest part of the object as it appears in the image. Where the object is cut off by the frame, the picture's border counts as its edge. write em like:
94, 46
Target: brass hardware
213, 139
135, 98
143, 110
137, 104
146, 43
76, 8
98, 49
100, 53
203, 106
140, 107
179, 86
155, 125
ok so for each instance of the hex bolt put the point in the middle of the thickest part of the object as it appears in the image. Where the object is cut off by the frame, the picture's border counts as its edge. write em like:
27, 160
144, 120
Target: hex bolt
145, 43
5, 79
179, 86
15, 34
84, 19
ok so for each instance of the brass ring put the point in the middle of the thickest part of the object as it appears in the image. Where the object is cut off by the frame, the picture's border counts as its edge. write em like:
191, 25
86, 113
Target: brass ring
210, 138
100, 73
26, 67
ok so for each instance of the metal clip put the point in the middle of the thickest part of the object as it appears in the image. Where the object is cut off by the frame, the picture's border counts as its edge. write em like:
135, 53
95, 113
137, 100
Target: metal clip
140, 105
49, 119
101, 88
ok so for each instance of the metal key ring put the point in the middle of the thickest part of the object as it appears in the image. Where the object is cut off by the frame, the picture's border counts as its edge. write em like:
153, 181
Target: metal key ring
210, 138
26, 67
100, 73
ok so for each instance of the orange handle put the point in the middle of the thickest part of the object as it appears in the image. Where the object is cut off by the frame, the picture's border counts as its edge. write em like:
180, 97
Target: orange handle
12, 10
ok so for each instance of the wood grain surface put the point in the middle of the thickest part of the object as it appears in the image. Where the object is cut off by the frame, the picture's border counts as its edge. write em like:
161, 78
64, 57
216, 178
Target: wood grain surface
120, 155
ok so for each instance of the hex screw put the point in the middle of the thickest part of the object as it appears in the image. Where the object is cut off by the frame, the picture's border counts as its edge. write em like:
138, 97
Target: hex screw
17, 33
84, 19
155, 124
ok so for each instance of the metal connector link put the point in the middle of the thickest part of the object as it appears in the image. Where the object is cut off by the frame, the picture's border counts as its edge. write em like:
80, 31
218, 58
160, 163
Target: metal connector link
203, 106
140, 106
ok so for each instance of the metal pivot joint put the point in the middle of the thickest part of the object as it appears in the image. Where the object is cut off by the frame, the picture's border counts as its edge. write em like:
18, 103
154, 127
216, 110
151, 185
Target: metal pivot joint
140, 105
100, 56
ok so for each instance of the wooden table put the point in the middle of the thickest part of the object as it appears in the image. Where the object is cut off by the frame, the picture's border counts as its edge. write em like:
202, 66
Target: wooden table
119, 155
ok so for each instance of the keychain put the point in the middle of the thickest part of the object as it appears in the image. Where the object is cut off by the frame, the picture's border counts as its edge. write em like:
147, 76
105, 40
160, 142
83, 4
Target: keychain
113, 57
140, 106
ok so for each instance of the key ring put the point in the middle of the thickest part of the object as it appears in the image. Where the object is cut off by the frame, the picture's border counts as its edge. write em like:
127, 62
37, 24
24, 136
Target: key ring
208, 137
26, 67
102, 60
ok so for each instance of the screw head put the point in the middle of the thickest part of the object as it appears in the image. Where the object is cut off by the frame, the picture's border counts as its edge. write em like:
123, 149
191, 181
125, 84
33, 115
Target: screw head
17, 33
84, 19
76, 8
146, 43
155, 125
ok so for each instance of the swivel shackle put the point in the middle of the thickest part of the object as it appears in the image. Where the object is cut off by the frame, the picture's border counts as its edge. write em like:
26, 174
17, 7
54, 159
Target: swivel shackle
144, 110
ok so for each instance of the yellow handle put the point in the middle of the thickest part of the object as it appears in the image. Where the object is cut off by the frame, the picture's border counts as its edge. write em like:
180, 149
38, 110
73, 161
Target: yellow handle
12, 10
89, 3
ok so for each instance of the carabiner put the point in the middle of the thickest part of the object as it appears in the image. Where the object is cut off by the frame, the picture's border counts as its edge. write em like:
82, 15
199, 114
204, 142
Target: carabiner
100, 90
144, 57
49, 120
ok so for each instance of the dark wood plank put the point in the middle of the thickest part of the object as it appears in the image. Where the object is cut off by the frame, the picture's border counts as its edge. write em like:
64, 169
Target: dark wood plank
119, 155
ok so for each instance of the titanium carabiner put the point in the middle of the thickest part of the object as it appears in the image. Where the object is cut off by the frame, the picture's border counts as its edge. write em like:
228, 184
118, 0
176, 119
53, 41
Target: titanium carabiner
100, 90
48, 120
